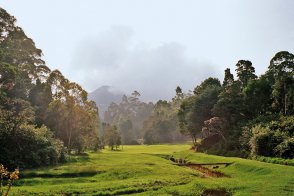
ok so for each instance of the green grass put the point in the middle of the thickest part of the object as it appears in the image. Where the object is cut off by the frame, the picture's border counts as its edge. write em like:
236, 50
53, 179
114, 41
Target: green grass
275, 160
143, 170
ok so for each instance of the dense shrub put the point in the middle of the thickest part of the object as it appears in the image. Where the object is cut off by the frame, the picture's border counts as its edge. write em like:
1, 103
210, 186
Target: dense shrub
273, 139
286, 148
29, 147
274, 160
264, 141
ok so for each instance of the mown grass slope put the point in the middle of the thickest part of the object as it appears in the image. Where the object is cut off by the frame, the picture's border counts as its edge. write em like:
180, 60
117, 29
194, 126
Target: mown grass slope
144, 170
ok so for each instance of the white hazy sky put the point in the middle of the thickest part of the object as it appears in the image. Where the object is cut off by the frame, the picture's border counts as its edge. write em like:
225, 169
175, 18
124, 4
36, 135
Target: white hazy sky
154, 45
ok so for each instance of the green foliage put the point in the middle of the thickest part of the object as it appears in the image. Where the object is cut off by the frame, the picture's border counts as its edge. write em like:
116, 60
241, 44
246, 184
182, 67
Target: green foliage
282, 70
129, 116
196, 109
257, 96
161, 131
245, 72
286, 148
112, 137
250, 107
228, 79
209, 82
264, 141
22, 144
41, 110
162, 126
28, 146
38, 107
274, 160
73, 123
126, 129
8, 74
273, 140
40, 97
230, 104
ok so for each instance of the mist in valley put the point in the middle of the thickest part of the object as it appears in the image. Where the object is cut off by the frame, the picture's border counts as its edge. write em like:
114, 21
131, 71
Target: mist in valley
146, 97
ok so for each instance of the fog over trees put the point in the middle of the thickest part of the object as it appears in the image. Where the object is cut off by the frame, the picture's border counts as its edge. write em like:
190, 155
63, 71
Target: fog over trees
44, 116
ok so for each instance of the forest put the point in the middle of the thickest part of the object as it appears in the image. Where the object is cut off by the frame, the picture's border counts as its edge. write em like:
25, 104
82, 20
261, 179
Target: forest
249, 116
46, 119
44, 116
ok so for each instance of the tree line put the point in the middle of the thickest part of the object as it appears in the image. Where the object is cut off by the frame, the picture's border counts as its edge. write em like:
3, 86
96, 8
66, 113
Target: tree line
247, 116
43, 115
128, 117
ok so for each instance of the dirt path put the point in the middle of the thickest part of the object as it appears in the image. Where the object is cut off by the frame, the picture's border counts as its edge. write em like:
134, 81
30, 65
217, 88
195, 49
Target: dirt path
206, 171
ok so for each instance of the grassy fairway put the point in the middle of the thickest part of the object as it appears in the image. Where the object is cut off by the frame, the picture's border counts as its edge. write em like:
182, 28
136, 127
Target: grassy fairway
142, 170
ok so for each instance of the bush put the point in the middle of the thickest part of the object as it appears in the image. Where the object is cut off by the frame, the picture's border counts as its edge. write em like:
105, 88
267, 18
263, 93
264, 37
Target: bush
271, 138
264, 141
286, 148
274, 160
28, 147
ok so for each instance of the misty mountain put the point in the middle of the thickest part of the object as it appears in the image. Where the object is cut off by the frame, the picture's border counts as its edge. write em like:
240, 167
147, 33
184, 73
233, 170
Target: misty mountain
104, 96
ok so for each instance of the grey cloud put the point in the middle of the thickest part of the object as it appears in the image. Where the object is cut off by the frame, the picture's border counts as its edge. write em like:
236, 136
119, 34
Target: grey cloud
112, 59
105, 51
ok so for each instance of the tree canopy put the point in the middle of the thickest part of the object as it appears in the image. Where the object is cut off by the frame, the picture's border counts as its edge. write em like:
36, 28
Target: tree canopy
43, 114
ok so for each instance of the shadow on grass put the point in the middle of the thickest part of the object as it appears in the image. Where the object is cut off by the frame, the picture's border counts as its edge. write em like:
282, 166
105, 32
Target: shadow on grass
82, 157
164, 156
61, 175
215, 192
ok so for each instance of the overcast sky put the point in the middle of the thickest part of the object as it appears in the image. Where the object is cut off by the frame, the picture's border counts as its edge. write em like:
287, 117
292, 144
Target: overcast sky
154, 45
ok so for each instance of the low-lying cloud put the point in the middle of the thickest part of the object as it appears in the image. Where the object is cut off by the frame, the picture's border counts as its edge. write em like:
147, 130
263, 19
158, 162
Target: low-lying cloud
111, 58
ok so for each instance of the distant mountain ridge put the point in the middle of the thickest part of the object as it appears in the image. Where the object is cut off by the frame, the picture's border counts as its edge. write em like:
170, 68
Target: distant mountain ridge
104, 96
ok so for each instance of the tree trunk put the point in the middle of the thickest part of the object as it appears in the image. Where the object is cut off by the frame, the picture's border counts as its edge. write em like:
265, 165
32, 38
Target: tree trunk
285, 100
194, 140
